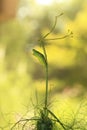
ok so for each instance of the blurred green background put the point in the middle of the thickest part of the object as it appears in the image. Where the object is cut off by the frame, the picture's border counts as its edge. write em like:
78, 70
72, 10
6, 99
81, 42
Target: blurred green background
21, 75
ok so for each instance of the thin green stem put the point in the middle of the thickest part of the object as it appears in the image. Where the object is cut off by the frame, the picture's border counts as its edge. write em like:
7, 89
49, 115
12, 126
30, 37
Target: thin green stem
53, 26
46, 93
63, 37
57, 119
23, 120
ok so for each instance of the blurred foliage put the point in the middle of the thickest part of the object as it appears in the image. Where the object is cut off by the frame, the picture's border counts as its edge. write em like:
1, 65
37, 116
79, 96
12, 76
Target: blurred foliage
21, 75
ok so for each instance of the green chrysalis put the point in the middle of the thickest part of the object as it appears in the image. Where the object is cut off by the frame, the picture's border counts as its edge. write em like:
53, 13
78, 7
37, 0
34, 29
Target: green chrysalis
40, 57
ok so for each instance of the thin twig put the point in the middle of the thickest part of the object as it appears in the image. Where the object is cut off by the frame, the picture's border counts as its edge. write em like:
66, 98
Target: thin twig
56, 17
58, 38
57, 119
22, 120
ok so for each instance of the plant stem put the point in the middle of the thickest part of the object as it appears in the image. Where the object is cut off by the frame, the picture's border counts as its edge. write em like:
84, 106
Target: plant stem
46, 95
46, 92
57, 119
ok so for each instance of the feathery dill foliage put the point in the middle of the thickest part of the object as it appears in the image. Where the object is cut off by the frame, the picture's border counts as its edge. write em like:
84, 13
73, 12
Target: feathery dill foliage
45, 118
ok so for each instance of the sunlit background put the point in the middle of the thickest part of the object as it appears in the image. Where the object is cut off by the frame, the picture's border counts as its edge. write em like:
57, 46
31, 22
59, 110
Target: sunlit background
22, 77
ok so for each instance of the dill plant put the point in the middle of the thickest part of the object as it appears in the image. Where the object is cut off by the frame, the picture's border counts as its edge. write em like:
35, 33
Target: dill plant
46, 120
